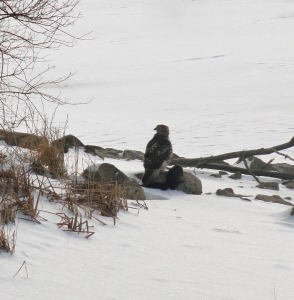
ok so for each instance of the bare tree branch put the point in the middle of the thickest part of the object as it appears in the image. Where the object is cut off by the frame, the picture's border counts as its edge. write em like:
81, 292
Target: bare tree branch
200, 162
27, 27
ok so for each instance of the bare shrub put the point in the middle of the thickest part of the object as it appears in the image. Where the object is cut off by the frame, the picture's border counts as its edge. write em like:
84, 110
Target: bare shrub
7, 240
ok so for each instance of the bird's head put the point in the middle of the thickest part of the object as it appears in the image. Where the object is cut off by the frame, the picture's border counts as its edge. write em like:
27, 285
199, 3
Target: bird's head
162, 129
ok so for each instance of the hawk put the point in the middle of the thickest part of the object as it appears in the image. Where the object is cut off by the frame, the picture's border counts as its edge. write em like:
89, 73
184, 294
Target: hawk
158, 153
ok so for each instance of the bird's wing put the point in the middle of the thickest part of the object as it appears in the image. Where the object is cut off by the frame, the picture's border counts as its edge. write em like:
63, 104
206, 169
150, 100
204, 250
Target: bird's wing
157, 151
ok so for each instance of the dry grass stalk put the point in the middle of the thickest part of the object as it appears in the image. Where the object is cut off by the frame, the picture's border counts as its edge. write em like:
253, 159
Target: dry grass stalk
75, 224
7, 240
23, 264
106, 198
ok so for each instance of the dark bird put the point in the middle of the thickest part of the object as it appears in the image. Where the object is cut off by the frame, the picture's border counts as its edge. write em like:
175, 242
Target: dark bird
174, 177
158, 153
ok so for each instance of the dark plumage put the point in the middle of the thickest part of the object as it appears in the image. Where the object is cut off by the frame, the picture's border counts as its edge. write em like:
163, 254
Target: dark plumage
158, 153
174, 177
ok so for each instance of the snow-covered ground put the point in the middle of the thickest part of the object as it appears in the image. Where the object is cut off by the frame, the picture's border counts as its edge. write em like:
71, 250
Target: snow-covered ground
220, 75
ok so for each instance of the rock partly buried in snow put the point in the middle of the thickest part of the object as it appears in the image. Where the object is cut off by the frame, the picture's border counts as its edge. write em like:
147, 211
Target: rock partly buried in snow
109, 173
229, 192
289, 184
268, 185
190, 185
273, 198
20, 139
103, 152
133, 154
258, 164
237, 175
68, 141
284, 168
216, 175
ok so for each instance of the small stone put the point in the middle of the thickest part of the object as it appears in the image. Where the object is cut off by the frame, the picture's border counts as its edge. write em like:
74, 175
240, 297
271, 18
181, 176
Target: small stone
237, 175
288, 198
133, 154
289, 185
273, 198
216, 175
268, 185
228, 192
223, 173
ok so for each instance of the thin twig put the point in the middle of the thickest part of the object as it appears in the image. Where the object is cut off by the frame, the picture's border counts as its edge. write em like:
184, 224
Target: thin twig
23, 264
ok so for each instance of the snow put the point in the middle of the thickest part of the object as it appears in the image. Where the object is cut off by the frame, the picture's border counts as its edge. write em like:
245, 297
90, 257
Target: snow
220, 75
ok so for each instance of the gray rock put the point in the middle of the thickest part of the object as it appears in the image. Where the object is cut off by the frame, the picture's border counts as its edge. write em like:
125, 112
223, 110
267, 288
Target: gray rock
191, 185
20, 139
216, 175
227, 192
284, 168
68, 141
237, 175
258, 164
109, 173
223, 173
133, 154
268, 185
273, 198
289, 185
95, 151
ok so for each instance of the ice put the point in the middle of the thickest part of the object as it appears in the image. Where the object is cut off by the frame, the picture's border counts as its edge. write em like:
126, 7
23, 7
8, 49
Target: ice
220, 75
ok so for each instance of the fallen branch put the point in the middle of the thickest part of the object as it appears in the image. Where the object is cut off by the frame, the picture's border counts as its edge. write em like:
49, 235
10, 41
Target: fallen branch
232, 169
202, 161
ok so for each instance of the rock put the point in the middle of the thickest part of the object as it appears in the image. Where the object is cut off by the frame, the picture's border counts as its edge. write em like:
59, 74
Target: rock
68, 141
113, 153
216, 175
191, 185
38, 168
229, 192
273, 198
109, 173
20, 139
223, 173
268, 185
95, 151
289, 184
284, 168
258, 164
133, 154
292, 212
237, 175
288, 198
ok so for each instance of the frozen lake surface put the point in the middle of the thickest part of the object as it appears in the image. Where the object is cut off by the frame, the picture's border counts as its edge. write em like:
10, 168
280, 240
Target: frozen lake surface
220, 75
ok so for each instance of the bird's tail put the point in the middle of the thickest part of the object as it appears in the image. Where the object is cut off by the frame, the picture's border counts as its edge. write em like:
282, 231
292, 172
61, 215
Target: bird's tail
147, 177
150, 176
